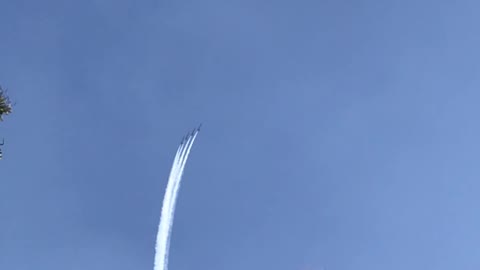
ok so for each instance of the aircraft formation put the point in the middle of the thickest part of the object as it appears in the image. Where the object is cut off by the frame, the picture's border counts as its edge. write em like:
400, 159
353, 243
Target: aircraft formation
190, 134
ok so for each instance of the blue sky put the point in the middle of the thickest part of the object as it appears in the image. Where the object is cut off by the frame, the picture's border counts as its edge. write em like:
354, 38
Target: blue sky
337, 134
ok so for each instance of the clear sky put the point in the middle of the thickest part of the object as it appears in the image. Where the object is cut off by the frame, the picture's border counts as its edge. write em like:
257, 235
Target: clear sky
337, 135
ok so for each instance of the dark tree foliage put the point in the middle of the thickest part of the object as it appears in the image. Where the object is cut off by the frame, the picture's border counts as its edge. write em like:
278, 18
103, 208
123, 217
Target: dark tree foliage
5, 104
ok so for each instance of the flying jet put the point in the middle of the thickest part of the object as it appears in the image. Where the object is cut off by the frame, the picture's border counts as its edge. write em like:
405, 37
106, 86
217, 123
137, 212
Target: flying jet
195, 130
191, 134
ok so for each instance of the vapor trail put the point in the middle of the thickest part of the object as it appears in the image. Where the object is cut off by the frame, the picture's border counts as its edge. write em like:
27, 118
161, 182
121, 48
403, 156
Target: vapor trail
175, 190
169, 202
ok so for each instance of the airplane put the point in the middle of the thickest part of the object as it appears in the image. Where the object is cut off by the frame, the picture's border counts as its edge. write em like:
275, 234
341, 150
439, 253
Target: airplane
190, 134
195, 130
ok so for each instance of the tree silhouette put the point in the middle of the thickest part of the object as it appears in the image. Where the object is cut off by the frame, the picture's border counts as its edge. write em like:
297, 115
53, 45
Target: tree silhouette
5, 104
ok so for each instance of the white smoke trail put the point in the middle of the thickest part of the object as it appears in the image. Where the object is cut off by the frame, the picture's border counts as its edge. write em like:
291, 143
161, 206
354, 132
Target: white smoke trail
175, 190
162, 235
169, 202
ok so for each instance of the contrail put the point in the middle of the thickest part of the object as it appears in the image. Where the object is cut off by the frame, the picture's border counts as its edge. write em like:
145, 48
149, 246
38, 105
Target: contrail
169, 201
176, 188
